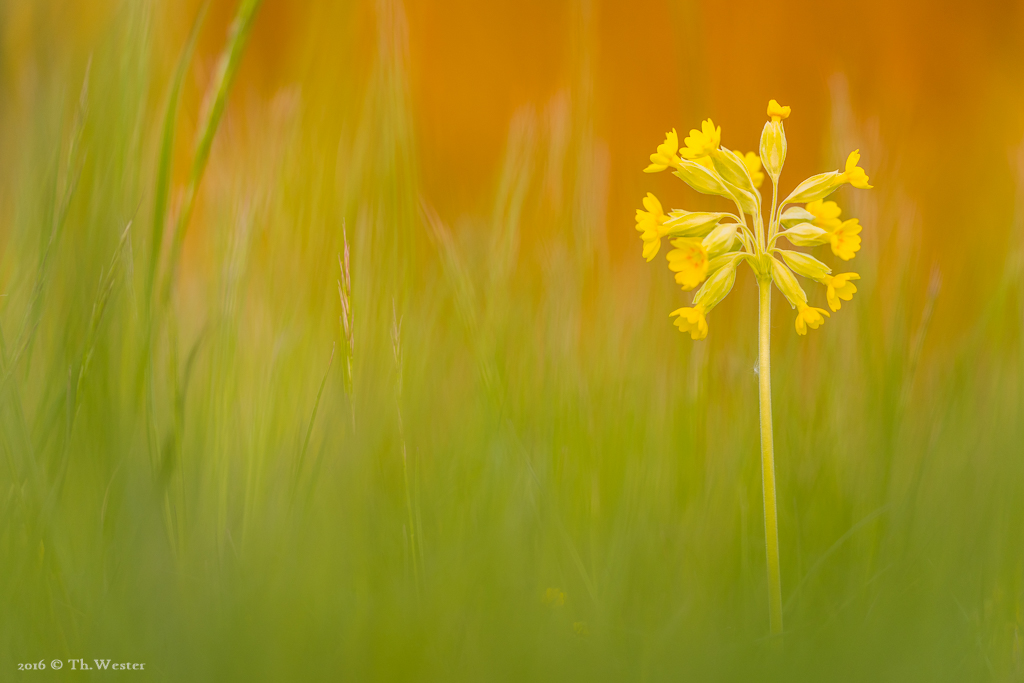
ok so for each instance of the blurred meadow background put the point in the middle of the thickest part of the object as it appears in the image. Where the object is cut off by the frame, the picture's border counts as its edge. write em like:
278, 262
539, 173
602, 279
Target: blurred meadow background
327, 351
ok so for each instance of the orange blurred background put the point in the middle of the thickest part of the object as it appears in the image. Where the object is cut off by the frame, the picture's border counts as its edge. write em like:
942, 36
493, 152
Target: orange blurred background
933, 92
936, 90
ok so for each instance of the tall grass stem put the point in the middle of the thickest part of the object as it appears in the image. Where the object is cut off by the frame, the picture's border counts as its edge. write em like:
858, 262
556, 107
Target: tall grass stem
163, 176
210, 115
396, 342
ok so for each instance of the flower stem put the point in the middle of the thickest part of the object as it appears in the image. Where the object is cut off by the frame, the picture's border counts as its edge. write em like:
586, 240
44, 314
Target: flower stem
771, 526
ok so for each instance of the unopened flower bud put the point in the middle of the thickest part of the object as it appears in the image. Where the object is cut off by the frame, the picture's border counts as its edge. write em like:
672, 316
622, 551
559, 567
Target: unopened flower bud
805, 264
716, 287
691, 223
721, 239
773, 148
806, 235
701, 179
796, 214
787, 284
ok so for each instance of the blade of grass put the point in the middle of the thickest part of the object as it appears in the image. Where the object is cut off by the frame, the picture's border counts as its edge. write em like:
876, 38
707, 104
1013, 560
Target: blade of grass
163, 173
72, 173
396, 347
107, 281
312, 418
212, 111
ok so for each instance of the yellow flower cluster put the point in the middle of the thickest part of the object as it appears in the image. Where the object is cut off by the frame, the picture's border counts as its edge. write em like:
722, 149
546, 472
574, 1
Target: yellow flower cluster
708, 247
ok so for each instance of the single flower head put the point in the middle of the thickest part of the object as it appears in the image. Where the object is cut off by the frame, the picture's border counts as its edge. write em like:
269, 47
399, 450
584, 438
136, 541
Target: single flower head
707, 247
651, 224
808, 316
840, 287
777, 112
703, 142
691, 320
753, 164
853, 173
666, 155
846, 239
689, 261
826, 214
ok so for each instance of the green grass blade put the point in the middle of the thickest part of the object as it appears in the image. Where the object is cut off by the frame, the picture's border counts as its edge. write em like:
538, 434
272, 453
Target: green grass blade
163, 174
312, 418
213, 110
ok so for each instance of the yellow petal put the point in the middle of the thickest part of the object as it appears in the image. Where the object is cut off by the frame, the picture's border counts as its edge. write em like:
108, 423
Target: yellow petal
777, 112
652, 204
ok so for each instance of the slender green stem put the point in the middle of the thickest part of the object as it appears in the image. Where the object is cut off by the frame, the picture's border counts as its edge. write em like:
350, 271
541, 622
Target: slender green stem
163, 174
771, 525
210, 115
413, 551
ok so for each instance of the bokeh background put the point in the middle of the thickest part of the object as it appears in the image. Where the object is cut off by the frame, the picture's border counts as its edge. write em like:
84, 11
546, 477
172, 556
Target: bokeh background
511, 466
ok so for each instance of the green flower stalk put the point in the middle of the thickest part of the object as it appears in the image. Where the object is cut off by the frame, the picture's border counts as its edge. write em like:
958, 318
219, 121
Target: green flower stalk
709, 247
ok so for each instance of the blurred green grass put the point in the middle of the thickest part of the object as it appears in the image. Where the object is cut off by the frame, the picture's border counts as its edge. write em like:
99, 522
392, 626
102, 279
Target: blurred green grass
559, 432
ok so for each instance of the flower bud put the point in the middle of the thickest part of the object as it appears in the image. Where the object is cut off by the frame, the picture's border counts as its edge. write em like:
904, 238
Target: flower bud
701, 179
746, 200
717, 286
721, 239
773, 148
707, 181
796, 214
805, 265
732, 169
787, 284
806, 235
816, 187
730, 260
691, 223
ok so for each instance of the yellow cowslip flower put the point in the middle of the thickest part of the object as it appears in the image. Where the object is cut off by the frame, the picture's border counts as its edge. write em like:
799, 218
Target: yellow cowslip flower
651, 224
700, 240
839, 287
808, 316
703, 142
826, 214
689, 261
691, 320
666, 155
777, 112
853, 173
709, 247
822, 185
554, 597
846, 239
753, 164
